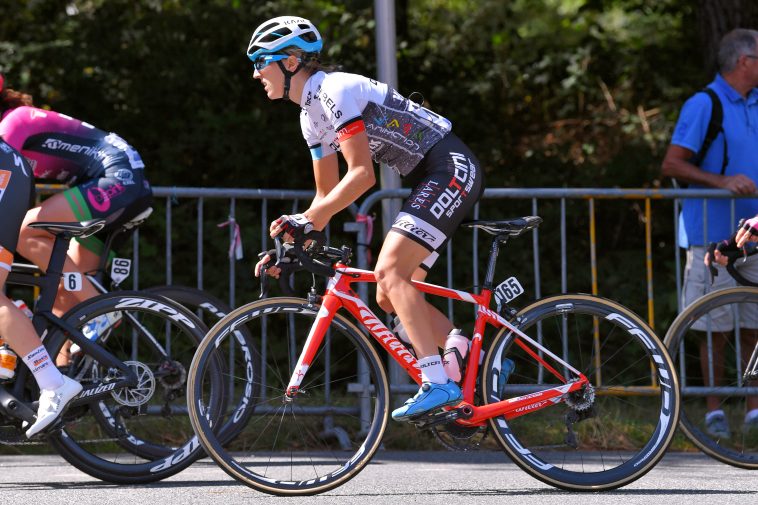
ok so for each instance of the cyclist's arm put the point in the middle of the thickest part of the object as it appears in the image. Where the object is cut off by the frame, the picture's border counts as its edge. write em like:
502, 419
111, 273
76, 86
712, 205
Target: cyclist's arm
360, 178
327, 176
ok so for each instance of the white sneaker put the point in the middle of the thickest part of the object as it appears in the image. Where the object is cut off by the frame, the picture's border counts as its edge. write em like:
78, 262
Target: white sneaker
97, 327
52, 403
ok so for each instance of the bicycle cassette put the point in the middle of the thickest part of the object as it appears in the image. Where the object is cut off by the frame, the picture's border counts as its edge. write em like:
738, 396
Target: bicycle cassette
582, 399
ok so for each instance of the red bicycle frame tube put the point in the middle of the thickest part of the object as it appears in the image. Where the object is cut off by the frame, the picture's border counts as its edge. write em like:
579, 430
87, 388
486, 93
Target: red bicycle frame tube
339, 294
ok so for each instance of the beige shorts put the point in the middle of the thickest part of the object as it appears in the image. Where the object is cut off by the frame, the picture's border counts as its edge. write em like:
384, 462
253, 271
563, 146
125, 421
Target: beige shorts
697, 282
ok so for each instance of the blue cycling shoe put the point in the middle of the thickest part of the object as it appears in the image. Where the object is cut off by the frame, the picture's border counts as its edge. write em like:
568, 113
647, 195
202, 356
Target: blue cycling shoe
430, 397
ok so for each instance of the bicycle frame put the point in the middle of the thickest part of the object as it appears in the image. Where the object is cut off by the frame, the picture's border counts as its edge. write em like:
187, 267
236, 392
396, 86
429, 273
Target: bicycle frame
43, 321
339, 294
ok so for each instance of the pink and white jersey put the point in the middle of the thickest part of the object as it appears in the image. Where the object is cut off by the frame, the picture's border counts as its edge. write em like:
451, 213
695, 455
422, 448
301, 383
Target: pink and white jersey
63, 148
338, 105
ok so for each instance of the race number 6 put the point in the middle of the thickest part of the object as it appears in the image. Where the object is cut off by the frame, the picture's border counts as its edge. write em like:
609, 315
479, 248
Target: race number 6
72, 281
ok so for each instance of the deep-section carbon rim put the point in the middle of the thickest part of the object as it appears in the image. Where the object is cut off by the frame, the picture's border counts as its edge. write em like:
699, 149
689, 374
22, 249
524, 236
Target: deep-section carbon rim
244, 356
711, 320
327, 433
634, 398
141, 444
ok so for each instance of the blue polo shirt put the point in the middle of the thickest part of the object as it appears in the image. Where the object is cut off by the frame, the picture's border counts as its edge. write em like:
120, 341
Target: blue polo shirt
741, 129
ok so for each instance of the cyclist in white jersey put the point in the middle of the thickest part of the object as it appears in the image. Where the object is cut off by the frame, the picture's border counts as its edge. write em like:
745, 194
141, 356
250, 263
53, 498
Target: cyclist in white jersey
364, 120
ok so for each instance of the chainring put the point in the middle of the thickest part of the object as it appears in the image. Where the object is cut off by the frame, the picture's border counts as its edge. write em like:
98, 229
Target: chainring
455, 437
141, 393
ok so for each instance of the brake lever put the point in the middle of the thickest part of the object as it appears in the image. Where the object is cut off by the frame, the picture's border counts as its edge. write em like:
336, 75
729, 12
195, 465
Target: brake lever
711, 256
264, 284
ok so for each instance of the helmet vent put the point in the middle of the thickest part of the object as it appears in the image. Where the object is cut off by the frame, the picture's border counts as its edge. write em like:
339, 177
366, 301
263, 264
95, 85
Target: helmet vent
267, 27
271, 37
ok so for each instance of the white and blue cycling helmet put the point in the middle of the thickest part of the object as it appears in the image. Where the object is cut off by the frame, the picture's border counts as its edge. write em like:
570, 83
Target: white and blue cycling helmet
277, 34
271, 38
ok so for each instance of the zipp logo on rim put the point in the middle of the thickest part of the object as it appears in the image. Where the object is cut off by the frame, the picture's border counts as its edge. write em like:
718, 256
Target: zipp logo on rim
157, 307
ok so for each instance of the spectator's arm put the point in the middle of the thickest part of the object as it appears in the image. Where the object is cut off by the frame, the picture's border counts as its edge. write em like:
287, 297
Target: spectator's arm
676, 164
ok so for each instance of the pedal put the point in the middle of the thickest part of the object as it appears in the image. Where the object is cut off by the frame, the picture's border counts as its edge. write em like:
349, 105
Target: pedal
429, 420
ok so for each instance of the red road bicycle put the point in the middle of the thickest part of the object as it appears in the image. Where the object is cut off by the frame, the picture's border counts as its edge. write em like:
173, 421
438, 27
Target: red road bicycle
577, 389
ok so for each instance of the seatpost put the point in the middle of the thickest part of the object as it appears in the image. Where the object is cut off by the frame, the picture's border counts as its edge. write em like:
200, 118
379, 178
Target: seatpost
494, 249
99, 274
54, 272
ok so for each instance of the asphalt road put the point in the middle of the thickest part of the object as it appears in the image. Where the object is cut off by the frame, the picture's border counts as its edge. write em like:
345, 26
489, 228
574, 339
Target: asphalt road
393, 477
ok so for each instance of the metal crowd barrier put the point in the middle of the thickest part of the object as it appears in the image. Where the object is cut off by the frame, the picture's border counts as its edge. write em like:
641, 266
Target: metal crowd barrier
298, 201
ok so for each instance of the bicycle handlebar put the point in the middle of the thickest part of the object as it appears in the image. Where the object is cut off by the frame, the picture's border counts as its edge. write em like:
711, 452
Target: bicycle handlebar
315, 258
733, 253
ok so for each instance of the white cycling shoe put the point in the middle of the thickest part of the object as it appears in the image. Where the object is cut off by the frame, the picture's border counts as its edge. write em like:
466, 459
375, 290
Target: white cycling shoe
52, 403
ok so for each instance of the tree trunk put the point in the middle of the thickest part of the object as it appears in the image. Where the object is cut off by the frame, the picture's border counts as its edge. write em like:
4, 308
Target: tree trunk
716, 18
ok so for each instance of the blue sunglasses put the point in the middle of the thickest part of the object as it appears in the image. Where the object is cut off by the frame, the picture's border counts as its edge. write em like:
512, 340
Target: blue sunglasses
264, 61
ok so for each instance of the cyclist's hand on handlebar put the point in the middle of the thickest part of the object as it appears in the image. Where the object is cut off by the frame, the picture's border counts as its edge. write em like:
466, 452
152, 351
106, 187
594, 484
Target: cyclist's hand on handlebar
265, 265
717, 258
748, 232
292, 226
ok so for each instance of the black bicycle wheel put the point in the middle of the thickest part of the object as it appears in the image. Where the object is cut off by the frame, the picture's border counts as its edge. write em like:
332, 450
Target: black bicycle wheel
613, 432
324, 435
243, 355
140, 434
711, 321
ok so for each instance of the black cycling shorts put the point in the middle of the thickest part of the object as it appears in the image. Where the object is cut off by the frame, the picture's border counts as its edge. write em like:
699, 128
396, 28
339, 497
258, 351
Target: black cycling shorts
118, 195
447, 183
16, 197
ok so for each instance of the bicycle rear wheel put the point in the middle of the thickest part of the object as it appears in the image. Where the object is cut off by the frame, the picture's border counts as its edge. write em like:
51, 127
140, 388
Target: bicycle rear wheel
320, 438
613, 433
140, 434
242, 355
712, 321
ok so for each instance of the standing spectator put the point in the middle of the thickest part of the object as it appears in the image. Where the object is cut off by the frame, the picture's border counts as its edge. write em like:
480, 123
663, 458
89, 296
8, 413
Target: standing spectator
728, 161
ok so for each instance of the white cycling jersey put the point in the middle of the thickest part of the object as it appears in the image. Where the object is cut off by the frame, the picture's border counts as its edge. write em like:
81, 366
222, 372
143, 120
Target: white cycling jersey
338, 105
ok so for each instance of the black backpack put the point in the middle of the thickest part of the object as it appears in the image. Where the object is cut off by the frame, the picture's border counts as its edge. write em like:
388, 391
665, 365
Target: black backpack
714, 128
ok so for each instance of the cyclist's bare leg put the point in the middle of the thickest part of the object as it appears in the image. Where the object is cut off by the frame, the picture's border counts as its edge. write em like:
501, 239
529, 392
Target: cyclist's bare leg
440, 325
398, 260
718, 341
15, 328
37, 245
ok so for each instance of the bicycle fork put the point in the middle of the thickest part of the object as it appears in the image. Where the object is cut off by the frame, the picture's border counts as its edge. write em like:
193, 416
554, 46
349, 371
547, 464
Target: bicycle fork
329, 306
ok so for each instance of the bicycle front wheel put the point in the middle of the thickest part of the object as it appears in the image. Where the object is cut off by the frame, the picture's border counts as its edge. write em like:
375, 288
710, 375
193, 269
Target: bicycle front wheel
711, 342
605, 437
314, 441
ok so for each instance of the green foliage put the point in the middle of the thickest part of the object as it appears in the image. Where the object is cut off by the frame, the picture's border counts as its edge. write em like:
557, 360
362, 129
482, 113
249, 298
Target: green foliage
548, 93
